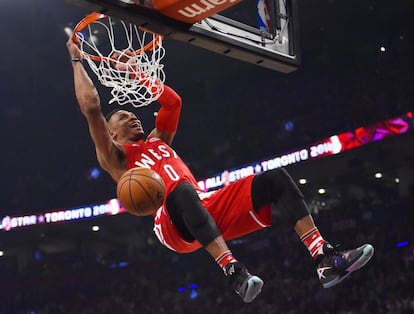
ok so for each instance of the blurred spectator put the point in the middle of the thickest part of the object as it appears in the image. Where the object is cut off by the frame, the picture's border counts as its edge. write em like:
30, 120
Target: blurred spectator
159, 281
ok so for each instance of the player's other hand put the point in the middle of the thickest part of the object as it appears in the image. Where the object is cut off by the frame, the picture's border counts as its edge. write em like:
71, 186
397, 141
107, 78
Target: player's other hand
123, 61
73, 49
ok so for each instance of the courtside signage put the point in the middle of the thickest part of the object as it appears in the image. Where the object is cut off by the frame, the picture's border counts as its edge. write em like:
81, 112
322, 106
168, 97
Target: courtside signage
330, 146
112, 207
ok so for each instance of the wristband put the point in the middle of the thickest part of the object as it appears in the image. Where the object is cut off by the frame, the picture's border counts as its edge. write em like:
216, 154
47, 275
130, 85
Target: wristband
77, 60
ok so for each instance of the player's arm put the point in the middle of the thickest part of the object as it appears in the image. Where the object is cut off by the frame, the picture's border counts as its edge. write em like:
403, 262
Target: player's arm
166, 122
108, 153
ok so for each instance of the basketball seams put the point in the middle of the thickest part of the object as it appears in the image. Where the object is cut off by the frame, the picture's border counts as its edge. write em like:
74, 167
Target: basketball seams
120, 188
154, 205
153, 179
141, 190
137, 172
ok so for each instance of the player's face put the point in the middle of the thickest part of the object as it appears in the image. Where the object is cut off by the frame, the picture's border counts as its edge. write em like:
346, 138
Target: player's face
125, 125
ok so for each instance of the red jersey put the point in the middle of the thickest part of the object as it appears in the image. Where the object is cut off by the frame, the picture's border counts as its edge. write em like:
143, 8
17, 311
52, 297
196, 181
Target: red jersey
231, 207
155, 154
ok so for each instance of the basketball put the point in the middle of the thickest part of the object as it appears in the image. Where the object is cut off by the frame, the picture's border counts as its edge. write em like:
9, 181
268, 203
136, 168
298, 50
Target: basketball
141, 191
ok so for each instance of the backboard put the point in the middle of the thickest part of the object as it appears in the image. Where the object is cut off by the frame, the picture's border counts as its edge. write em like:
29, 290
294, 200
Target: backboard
261, 32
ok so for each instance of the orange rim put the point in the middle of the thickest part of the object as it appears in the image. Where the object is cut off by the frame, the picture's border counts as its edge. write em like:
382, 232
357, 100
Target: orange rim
97, 16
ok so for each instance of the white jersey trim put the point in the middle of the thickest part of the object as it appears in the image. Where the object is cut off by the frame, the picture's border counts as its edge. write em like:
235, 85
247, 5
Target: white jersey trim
256, 219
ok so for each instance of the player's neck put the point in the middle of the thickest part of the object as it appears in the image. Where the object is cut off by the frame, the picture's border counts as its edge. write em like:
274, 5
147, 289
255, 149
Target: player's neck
129, 140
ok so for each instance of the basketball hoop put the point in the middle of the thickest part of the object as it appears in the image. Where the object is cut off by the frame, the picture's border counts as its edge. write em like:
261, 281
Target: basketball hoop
131, 67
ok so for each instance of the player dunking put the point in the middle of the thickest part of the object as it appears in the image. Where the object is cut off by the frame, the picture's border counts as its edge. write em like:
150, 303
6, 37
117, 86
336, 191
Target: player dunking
190, 219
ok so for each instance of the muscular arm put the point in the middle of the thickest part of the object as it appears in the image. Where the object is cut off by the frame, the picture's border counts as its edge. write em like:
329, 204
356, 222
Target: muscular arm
166, 123
110, 156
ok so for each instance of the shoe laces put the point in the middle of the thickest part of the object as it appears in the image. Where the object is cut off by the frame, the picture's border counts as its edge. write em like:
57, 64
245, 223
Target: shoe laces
237, 273
330, 251
332, 256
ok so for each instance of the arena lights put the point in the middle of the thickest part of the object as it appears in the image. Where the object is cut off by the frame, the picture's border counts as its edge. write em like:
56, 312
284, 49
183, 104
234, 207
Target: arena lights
327, 147
302, 181
118, 265
192, 290
94, 173
402, 244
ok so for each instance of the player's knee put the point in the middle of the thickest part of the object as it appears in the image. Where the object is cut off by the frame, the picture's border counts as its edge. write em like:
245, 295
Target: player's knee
195, 219
187, 203
276, 182
277, 187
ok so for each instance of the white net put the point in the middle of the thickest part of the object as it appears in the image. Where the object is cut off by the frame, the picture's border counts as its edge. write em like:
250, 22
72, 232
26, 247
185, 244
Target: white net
125, 58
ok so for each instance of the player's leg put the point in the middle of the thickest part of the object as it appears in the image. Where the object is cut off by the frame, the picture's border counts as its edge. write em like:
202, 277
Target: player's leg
277, 187
195, 223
